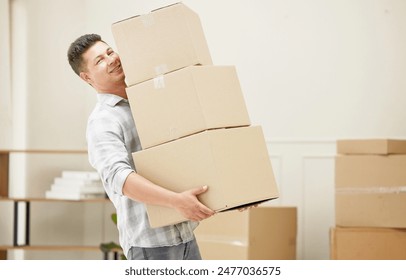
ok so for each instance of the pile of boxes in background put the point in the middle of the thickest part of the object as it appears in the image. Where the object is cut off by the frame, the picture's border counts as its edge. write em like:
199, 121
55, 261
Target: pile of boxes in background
76, 185
370, 180
190, 115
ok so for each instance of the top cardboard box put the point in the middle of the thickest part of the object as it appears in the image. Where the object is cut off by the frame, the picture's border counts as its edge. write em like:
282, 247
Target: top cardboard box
165, 40
371, 146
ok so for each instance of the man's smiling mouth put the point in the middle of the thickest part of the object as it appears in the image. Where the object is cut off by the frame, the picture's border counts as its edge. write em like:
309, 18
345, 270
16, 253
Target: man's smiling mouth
116, 69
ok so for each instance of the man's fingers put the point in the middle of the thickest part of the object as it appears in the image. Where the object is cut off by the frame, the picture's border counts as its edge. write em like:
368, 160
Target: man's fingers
199, 190
202, 212
194, 209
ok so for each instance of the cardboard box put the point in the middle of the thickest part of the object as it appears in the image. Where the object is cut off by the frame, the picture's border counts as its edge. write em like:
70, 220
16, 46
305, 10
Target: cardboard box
160, 42
371, 146
263, 233
233, 162
370, 171
375, 207
370, 188
187, 101
367, 244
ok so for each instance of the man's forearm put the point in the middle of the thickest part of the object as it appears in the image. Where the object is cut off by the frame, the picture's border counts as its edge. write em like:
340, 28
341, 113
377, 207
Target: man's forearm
140, 189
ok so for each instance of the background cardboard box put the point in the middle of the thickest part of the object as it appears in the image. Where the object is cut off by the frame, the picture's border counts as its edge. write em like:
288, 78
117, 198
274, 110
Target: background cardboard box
367, 244
267, 233
233, 162
380, 208
187, 101
162, 41
371, 146
370, 171
370, 188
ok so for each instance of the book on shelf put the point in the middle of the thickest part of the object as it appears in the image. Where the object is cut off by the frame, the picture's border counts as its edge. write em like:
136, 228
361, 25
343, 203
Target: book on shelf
68, 182
90, 175
77, 188
76, 185
72, 195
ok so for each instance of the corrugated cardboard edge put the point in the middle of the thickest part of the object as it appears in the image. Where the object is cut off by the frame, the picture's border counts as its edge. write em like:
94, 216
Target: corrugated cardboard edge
152, 11
333, 248
195, 21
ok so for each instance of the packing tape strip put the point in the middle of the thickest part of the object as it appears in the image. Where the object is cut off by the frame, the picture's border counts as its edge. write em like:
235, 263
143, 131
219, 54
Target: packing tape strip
161, 69
147, 19
371, 190
159, 82
173, 132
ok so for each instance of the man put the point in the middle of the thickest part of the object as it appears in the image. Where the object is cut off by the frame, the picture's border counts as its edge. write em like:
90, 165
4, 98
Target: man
112, 138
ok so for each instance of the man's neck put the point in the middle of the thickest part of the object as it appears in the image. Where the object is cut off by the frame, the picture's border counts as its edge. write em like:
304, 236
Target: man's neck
119, 91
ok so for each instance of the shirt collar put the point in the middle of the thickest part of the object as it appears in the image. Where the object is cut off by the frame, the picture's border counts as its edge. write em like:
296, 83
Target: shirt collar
110, 99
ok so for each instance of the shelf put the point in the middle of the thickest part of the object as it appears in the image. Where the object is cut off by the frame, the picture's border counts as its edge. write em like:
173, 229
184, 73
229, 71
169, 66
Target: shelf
51, 248
39, 199
115, 252
27, 215
39, 151
5, 161
4, 170
24, 212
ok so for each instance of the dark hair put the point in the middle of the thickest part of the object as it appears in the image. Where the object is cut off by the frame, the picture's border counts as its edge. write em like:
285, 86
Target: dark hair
78, 48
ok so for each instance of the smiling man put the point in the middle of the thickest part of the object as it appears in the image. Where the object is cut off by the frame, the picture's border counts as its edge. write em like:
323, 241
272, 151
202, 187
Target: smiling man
112, 138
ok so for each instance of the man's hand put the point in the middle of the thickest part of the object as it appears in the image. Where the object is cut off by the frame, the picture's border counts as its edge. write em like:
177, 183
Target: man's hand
248, 207
190, 207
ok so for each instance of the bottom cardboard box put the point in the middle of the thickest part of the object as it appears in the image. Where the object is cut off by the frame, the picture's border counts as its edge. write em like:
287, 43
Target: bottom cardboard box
234, 163
371, 207
367, 244
263, 233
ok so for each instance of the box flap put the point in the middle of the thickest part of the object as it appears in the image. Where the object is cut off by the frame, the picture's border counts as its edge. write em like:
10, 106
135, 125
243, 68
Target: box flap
371, 146
141, 14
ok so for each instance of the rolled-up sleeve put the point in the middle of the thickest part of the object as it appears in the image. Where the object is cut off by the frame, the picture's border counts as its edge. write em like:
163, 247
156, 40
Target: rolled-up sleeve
108, 154
108, 151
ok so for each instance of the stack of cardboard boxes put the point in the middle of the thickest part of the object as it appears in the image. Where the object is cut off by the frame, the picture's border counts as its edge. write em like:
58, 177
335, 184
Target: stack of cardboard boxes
190, 115
370, 179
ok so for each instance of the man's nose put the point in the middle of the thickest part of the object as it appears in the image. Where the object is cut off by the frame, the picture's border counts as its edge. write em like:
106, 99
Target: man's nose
111, 59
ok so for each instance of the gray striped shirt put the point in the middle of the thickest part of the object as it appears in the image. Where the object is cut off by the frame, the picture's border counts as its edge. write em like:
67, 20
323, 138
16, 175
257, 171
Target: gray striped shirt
112, 138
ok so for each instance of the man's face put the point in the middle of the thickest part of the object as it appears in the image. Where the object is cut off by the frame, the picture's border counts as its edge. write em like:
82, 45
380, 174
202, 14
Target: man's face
103, 68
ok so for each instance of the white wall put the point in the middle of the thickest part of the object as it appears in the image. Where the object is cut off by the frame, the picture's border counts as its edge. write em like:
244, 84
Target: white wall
309, 69
5, 88
311, 72
312, 69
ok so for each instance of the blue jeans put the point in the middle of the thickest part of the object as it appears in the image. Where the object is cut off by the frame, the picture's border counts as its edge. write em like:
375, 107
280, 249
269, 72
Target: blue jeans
184, 251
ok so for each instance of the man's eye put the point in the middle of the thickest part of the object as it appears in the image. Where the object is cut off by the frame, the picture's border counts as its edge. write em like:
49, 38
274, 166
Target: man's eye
110, 54
98, 61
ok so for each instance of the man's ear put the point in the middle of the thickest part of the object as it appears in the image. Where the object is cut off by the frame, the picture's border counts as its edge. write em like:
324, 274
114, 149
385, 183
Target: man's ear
85, 77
